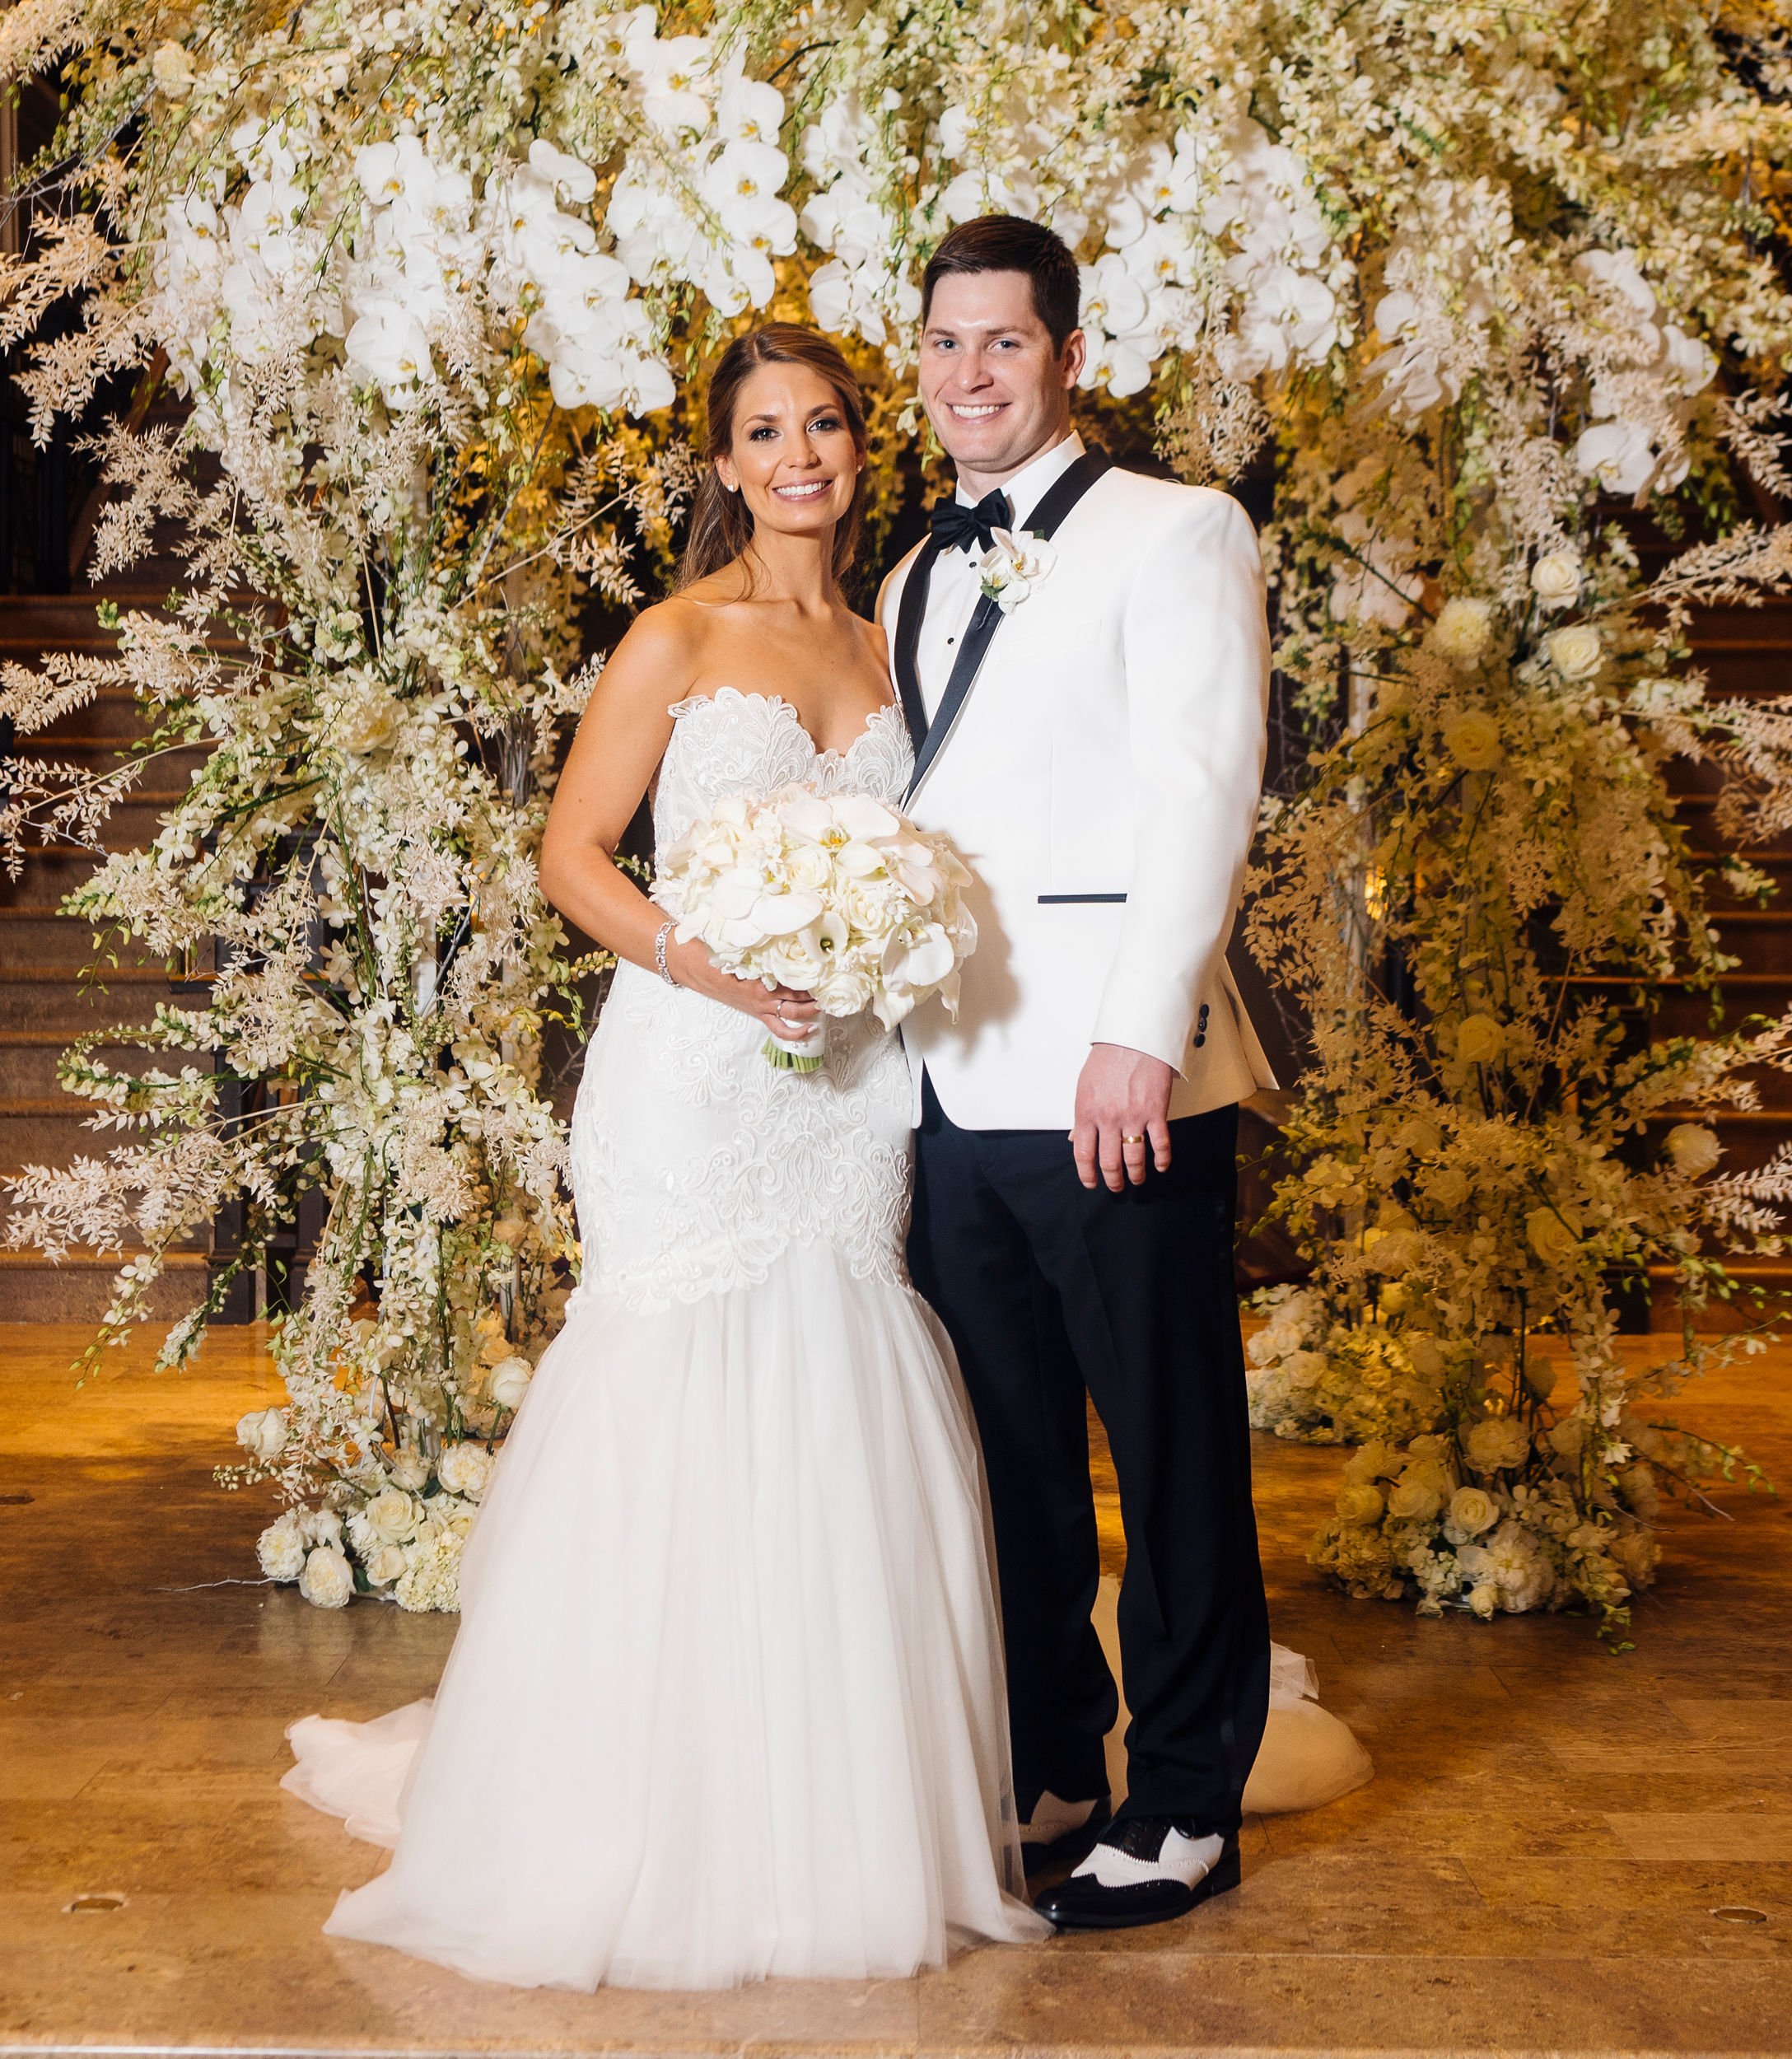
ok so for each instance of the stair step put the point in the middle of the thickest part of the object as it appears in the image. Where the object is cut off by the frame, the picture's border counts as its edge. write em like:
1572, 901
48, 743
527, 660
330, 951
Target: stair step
80, 1289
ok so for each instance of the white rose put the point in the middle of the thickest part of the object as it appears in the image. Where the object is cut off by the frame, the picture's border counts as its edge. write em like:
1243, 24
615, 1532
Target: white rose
1551, 1238
844, 992
1472, 1510
1497, 1444
1478, 1040
1693, 1149
1373, 1462
508, 1381
411, 1470
264, 1434
1424, 1353
392, 1515
1413, 1501
1556, 578
1471, 737
1577, 652
1359, 1503
1303, 1370
1462, 630
1484, 1599
281, 1548
385, 1563
327, 1580
465, 1468
794, 961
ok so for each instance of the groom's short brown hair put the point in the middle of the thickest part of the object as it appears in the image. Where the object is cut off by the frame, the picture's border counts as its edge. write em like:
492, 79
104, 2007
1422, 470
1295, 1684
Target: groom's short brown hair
1005, 243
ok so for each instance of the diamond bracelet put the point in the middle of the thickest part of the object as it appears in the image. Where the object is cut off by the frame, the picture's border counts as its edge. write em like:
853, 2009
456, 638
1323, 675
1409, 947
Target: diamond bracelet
659, 944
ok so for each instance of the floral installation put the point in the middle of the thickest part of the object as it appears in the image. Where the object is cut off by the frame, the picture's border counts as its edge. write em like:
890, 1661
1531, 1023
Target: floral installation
428, 284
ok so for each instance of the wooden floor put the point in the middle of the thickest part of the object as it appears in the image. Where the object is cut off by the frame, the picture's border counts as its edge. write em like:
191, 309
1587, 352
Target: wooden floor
1563, 1850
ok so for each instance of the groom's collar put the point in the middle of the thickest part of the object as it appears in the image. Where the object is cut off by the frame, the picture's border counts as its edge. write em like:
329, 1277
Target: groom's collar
1034, 481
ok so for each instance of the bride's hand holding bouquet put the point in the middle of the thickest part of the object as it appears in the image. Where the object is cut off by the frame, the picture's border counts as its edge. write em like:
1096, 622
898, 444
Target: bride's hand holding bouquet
828, 903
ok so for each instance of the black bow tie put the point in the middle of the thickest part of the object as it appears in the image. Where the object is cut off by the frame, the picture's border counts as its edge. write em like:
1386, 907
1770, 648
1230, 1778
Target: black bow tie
957, 527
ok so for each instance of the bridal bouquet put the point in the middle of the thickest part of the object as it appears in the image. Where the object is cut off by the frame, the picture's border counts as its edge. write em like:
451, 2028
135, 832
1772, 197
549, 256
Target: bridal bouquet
837, 895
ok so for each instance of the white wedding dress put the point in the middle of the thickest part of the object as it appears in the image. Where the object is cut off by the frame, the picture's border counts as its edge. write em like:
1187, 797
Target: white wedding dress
726, 1699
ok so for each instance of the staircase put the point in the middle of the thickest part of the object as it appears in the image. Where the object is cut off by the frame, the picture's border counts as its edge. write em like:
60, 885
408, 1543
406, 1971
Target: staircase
1746, 653
47, 998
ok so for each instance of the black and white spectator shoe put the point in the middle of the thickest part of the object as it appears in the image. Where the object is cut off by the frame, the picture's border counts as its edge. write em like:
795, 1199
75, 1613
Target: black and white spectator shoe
1146, 1871
1059, 1833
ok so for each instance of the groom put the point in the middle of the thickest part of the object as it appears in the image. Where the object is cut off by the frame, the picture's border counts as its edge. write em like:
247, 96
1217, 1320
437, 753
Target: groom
1093, 743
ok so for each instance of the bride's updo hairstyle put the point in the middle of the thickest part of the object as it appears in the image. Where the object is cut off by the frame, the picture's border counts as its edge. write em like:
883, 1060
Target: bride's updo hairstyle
721, 526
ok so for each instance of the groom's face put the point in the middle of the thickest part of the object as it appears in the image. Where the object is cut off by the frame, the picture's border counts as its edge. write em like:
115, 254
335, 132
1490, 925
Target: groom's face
996, 390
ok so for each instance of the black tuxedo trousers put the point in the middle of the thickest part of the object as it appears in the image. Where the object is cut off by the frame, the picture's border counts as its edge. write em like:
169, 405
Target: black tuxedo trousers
1050, 1292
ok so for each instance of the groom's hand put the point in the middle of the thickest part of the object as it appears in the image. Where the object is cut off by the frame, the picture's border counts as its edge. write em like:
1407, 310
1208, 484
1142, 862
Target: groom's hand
1122, 1107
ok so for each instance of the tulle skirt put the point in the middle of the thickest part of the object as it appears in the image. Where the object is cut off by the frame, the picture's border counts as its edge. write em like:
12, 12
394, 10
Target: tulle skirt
726, 1699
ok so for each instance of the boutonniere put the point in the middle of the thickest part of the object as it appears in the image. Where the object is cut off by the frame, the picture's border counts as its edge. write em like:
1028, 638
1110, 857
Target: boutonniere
1013, 566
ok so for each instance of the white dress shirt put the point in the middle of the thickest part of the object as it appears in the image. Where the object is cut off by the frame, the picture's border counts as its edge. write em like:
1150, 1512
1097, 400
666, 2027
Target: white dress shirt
952, 592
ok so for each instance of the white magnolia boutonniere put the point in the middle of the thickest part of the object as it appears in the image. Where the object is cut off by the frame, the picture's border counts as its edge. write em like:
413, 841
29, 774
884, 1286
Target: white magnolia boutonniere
1013, 566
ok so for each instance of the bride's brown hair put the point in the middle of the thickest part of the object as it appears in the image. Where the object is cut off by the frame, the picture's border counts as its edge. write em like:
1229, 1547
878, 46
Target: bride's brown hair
721, 525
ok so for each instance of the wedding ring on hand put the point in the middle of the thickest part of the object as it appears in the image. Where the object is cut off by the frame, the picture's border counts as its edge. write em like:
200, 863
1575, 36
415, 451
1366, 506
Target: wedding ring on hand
1125, 1139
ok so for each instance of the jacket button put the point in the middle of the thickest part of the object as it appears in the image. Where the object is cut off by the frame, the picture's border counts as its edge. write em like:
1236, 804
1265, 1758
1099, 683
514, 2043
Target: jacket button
1200, 1038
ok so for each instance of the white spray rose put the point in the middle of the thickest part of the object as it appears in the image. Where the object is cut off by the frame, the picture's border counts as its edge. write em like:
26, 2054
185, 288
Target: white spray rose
1483, 1600
508, 1381
1577, 652
1692, 1148
411, 1470
264, 1434
327, 1580
1556, 578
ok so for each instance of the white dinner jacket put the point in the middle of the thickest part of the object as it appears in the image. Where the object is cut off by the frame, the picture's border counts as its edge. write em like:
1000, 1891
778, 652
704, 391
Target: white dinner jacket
1101, 781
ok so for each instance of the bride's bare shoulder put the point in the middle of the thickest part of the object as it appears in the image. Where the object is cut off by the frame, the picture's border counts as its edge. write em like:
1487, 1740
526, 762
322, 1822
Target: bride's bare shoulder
875, 643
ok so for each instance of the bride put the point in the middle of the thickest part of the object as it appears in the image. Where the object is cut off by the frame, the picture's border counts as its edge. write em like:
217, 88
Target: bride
727, 1697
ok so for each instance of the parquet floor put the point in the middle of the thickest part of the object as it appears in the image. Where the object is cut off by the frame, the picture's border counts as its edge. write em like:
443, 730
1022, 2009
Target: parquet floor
1537, 1867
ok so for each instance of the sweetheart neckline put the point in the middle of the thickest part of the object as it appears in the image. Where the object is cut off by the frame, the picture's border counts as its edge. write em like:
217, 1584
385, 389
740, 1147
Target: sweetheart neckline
778, 701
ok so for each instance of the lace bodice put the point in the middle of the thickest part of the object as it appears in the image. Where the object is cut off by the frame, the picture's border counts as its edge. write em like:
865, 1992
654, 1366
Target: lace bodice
736, 743
695, 1162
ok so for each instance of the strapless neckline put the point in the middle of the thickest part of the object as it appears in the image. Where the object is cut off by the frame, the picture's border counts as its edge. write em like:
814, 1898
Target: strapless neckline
781, 708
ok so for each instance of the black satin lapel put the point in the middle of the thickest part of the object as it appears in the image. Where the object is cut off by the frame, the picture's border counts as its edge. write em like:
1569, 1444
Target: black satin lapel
1064, 495
909, 617
986, 617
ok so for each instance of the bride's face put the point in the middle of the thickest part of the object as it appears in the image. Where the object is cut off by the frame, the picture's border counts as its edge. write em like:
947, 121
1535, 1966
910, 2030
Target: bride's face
792, 458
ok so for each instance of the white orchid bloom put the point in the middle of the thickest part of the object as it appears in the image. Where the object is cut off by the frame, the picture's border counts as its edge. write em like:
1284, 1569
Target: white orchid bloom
746, 111
670, 72
1619, 454
561, 171
388, 343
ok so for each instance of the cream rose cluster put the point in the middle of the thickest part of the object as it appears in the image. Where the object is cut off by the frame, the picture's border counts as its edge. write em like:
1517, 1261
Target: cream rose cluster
837, 895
